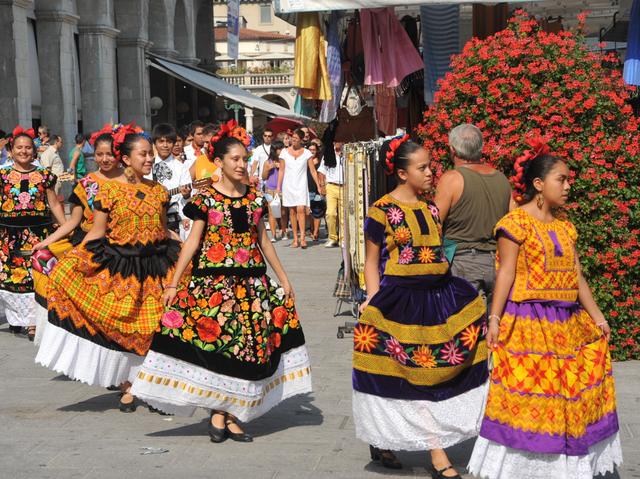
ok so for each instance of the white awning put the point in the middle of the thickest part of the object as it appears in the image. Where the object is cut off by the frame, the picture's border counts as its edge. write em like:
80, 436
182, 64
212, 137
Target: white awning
294, 6
216, 86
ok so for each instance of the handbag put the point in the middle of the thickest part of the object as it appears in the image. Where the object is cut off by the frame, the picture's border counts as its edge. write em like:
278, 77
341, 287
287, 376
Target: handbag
353, 128
275, 206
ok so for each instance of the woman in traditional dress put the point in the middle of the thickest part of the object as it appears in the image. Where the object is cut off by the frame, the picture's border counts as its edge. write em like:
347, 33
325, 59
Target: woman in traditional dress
27, 200
105, 296
551, 409
292, 182
71, 234
231, 341
419, 361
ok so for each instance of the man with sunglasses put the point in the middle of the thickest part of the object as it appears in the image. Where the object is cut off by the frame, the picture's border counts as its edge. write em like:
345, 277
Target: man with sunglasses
259, 155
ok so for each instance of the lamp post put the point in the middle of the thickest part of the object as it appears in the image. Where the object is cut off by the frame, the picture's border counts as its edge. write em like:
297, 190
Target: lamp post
236, 107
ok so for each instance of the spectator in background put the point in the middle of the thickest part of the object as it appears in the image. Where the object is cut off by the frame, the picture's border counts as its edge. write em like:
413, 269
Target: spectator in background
50, 159
285, 137
42, 142
318, 205
89, 154
194, 149
178, 146
259, 156
5, 159
77, 163
332, 172
203, 167
270, 170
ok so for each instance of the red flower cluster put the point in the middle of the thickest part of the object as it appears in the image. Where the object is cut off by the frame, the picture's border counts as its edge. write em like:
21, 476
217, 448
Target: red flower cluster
118, 131
393, 146
523, 83
229, 129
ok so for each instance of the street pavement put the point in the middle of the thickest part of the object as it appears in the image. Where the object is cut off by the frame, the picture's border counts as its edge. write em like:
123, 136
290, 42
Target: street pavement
51, 427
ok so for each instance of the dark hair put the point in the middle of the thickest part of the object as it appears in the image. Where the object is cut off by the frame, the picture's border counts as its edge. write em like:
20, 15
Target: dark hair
164, 130
104, 138
79, 138
129, 143
210, 129
222, 147
299, 132
267, 130
195, 125
275, 146
12, 139
182, 133
400, 159
539, 167
54, 138
3, 134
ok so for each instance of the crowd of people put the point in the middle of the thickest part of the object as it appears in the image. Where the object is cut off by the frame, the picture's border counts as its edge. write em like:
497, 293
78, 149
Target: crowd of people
156, 284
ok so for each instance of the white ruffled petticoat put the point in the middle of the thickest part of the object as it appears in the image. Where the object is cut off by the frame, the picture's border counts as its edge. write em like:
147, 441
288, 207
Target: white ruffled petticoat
409, 425
19, 308
491, 460
85, 361
178, 387
42, 320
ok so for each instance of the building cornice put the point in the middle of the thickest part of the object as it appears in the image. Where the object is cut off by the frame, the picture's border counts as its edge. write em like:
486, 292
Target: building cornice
133, 42
58, 16
18, 3
105, 30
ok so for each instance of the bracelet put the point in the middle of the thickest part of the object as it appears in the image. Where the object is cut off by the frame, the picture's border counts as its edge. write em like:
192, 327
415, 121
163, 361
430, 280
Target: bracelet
491, 316
601, 324
170, 287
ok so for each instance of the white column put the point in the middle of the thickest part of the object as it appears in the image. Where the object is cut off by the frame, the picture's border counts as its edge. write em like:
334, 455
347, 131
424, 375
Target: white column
248, 115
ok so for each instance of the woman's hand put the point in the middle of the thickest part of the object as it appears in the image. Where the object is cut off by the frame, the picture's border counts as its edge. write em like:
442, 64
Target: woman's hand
493, 332
288, 291
41, 245
363, 306
168, 296
604, 327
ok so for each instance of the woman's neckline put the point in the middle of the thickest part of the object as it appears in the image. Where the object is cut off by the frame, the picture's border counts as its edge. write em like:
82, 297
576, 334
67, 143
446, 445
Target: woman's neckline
13, 167
418, 203
246, 192
539, 220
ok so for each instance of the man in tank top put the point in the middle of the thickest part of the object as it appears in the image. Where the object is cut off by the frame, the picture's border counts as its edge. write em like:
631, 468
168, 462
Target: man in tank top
471, 198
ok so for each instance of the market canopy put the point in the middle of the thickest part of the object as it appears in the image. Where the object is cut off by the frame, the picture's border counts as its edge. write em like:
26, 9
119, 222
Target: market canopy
294, 6
217, 86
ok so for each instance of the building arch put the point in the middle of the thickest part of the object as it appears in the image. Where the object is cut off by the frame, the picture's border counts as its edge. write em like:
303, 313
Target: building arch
184, 35
277, 99
161, 18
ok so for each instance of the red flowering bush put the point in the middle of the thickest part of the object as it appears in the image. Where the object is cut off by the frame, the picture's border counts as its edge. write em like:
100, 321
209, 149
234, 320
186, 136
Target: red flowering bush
523, 82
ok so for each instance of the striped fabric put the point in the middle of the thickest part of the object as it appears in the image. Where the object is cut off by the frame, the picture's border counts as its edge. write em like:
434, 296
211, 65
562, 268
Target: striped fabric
440, 40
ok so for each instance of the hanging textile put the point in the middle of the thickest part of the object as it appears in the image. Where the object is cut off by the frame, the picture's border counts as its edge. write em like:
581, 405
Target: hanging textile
440, 40
334, 65
632, 61
354, 193
389, 54
311, 73
386, 112
489, 19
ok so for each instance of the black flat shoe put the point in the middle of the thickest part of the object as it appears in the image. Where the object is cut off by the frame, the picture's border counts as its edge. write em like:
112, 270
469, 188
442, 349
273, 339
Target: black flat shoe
31, 335
216, 434
15, 329
238, 436
128, 406
387, 458
158, 411
438, 474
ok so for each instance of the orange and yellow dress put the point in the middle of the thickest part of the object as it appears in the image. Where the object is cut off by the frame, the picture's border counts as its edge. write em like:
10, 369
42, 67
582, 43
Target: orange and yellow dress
105, 296
551, 409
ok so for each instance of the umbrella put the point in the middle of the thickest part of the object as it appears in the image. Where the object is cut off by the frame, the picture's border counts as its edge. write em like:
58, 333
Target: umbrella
280, 124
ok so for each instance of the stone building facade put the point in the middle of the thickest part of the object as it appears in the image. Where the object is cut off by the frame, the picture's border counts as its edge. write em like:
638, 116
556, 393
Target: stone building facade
77, 64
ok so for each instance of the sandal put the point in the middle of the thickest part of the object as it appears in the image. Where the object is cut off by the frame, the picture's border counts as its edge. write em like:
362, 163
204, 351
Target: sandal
304, 245
127, 406
386, 457
31, 333
438, 474
295, 245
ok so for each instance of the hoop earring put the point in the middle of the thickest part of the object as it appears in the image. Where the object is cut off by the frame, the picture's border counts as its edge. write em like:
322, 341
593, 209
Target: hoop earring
130, 174
539, 201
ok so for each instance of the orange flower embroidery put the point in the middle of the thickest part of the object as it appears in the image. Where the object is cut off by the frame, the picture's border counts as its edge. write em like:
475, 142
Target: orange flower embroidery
423, 357
426, 255
402, 235
470, 336
365, 338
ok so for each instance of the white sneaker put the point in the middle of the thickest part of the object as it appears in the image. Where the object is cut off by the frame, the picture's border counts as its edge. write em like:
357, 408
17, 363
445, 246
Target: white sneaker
285, 236
331, 244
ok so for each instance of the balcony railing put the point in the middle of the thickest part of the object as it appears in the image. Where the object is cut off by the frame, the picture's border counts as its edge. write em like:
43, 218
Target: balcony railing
259, 80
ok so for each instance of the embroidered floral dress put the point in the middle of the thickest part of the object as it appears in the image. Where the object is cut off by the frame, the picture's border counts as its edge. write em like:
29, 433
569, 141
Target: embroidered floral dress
105, 296
230, 340
419, 359
25, 220
551, 409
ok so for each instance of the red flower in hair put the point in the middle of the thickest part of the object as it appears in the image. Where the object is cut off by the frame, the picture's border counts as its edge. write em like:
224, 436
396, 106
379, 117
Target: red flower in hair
117, 131
393, 146
539, 147
227, 130
19, 130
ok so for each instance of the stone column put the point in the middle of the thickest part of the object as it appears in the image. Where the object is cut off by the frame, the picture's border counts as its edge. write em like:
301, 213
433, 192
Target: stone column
466, 25
132, 19
98, 64
15, 92
248, 117
56, 22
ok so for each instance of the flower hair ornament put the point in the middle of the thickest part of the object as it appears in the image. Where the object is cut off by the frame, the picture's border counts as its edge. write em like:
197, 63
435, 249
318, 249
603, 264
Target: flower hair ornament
230, 129
118, 131
18, 130
538, 148
393, 146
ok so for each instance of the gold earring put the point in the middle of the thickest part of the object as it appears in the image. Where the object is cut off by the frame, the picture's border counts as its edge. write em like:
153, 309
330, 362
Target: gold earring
540, 201
130, 174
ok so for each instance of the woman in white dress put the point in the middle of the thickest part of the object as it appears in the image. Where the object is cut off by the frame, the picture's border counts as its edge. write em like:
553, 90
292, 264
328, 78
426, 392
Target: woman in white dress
292, 183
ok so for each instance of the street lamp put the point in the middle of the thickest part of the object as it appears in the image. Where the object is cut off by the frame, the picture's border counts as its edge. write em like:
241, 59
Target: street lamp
234, 106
